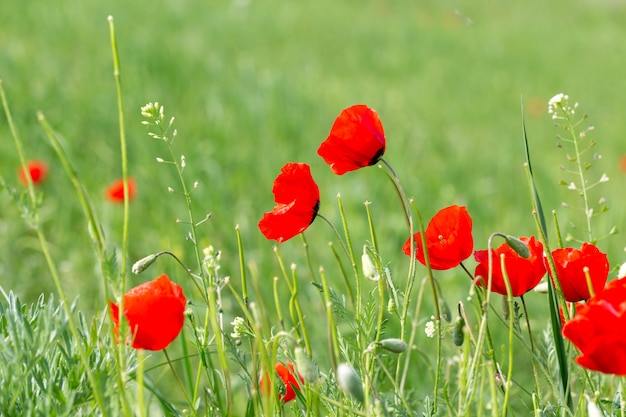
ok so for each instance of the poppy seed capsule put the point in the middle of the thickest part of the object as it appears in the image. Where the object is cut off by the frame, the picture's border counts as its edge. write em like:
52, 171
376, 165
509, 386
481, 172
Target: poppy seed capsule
349, 382
394, 345
457, 333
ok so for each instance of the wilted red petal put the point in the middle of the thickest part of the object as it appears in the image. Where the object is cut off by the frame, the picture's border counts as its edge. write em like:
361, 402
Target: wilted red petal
356, 140
36, 169
524, 273
448, 238
115, 191
297, 200
570, 263
155, 313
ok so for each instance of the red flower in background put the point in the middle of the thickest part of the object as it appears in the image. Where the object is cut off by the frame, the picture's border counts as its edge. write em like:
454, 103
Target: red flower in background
597, 330
356, 140
570, 263
155, 313
448, 239
287, 375
36, 170
297, 200
115, 191
524, 273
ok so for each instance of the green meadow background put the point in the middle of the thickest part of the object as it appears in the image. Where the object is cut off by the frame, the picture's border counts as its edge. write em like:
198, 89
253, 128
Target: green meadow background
256, 84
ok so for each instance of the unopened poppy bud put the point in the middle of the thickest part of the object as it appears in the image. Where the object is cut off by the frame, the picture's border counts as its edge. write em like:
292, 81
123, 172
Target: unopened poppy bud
518, 246
394, 345
458, 334
369, 269
349, 382
143, 264
593, 410
305, 366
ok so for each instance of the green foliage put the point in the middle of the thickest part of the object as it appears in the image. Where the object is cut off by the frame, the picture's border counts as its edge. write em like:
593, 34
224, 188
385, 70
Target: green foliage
41, 373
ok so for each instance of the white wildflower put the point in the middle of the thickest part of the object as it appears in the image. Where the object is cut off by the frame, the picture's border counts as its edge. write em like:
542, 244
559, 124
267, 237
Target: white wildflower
430, 329
622, 271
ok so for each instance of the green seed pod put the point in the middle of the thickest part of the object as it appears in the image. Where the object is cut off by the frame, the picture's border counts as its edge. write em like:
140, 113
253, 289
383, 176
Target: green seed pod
349, 382
458, 334
305, 366
391, 306
393, 345
518, 246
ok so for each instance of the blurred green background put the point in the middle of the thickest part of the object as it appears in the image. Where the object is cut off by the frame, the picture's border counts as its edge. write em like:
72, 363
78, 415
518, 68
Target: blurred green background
255, 84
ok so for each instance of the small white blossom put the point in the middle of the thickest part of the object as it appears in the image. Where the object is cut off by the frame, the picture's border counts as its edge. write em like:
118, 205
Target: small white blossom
160, 160
239, 327
182, 162
604, 178
430, 329
622, 271
571, 186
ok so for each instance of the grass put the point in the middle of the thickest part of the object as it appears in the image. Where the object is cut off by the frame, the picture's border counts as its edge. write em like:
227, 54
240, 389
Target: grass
256, 84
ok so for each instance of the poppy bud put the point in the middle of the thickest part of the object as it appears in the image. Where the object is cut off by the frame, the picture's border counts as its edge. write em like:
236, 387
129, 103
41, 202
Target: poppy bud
518, 246
393, 345
349, 382
369, 269
305, 366
143, 264
457, 333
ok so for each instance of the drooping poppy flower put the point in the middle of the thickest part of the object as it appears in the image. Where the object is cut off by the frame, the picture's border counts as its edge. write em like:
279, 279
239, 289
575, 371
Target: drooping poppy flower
287, 378
115, 191
448, 239
523, 273
297, 200
570, 264
597, 330
155, 313
356, 140
37, 171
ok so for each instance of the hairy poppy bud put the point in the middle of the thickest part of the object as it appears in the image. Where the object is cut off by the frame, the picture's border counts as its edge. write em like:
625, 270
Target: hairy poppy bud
305, 366
143, 264
349, 382
457, 333
518, 246
393, 345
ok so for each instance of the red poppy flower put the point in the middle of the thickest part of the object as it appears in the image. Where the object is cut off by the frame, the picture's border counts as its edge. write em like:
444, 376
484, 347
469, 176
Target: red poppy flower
597, 330
570, 263
155, 313
448, 239
36, 170
356, 140
523, 273
115, 191
297, 200
289, 382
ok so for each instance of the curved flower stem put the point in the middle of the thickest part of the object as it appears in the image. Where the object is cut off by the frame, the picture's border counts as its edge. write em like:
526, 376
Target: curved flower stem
404, 201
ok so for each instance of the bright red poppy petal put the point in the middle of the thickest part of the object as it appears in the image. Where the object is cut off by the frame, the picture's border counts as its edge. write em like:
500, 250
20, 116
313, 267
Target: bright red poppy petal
155, 313
356, 140
286, 221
